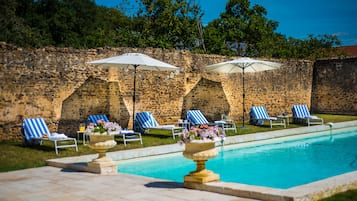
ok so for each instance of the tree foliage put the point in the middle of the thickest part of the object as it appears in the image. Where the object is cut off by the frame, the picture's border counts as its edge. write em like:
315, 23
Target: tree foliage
245, 31
242, 29
168, 24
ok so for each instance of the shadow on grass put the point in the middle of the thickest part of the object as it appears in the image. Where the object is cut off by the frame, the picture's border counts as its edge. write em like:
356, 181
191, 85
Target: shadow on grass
37, 147
158, 134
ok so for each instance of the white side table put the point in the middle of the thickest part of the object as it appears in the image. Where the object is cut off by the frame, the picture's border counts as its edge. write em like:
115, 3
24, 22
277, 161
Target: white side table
84, 136
184, 124
286, 117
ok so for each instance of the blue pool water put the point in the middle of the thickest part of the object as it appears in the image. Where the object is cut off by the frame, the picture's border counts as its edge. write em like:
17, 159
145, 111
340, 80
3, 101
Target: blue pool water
281, 164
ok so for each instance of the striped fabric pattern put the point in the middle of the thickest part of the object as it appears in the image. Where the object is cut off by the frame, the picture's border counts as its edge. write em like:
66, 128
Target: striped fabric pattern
195, 117
95, 118
259, 112
34, 128
300, 111
144, 120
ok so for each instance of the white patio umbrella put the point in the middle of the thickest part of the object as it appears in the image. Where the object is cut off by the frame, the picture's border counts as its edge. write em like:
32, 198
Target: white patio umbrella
135, 60
243, 65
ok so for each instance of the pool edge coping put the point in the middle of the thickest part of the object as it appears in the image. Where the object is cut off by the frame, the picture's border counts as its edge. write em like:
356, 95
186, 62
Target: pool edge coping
312, 191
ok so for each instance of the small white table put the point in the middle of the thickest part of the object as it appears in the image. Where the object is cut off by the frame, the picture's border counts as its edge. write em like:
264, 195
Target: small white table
84, 136
286, 117
184, 124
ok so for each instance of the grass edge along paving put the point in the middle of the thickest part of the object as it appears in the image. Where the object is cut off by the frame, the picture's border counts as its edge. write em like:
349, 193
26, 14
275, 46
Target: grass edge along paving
15, 156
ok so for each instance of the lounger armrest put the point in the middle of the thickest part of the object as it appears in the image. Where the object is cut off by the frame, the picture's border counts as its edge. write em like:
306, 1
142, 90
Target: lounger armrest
127, 132
314, 117
167, 126
57, 136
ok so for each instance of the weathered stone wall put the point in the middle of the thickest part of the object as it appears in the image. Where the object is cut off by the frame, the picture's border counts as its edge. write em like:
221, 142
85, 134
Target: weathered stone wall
278, 90
335, 86
58, 85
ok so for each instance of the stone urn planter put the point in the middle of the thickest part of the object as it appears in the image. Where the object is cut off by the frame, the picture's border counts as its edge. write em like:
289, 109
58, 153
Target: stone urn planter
200, 151
102, 164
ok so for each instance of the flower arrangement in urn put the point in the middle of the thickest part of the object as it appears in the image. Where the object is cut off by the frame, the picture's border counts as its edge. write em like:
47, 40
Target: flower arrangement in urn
199, 147
103, 128
202, 133
101, 139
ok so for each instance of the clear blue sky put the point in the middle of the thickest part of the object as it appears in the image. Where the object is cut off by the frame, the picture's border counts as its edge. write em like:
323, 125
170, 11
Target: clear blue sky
297, 18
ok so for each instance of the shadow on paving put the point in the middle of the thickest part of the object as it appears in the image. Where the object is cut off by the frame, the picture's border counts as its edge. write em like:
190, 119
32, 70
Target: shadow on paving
164, 184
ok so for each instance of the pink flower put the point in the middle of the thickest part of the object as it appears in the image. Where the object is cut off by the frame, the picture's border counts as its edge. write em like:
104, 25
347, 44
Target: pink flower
203, 132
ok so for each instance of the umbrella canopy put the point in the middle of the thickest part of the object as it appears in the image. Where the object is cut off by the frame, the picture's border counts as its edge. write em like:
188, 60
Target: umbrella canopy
135, 60
243, 65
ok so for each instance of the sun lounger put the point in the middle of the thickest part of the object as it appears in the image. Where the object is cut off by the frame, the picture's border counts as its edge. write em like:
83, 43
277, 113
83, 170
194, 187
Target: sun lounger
36, 130
195, 117
259, 114
301, 114
144, 121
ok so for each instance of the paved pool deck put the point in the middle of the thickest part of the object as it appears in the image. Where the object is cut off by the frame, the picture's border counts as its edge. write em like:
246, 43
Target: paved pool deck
56, 184
66, 179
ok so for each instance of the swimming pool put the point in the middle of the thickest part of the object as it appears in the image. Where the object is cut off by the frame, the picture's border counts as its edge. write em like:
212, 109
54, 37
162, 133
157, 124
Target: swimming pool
283, 163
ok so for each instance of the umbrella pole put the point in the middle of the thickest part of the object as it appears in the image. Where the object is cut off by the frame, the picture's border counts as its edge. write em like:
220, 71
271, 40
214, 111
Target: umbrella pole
243, 99
134, 95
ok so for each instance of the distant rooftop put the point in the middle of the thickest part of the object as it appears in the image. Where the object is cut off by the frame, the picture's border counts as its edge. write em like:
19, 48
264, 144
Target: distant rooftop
349, 50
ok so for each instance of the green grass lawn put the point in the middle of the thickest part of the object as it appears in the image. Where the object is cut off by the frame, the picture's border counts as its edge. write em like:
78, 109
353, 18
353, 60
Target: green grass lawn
15, 156
350, 195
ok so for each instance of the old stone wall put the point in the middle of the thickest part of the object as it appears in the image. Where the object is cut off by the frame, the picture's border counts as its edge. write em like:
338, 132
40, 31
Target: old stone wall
278, 90
335, 86
58, 85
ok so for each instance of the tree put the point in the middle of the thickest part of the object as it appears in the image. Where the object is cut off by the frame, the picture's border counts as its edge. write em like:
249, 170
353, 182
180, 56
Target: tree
13, 24
168, 24
314, 47
110, 28
241, 30
69, 21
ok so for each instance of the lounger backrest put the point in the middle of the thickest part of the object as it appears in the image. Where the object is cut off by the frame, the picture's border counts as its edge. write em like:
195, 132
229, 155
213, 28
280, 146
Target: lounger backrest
259, 112
300, 111
145, 120
195, 117
95, 118
34, 128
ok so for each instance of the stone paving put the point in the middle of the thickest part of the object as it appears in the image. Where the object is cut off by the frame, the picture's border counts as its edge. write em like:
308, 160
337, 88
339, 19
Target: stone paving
56, 184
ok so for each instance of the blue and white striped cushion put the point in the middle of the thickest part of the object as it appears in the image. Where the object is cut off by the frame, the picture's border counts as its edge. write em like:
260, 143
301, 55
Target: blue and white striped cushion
301, 111
259, 112
195, 117
145, 120
95, 118
34, 128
